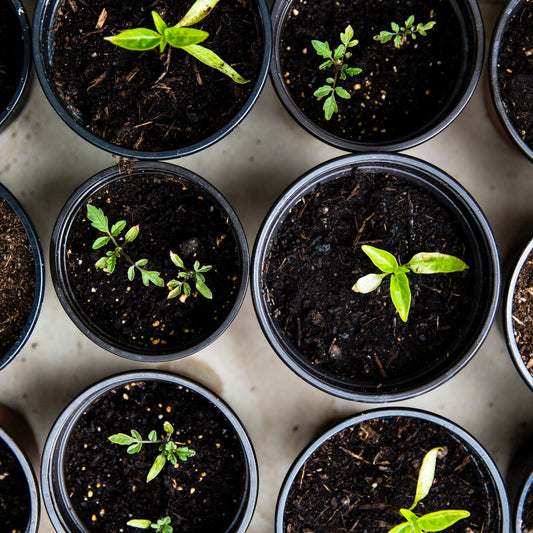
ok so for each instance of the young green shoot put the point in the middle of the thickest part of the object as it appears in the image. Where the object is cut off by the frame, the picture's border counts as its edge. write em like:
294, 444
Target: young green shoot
196, 275
169, 450
111, 235
161, 526
399, 34
421, 263
436, 520
180, 36
335, 59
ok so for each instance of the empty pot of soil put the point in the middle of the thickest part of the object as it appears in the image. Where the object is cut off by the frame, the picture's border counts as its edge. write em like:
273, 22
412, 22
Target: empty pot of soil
376, 75
15, 59
149, 261
387, 467
21, 277
517, 312
152, 80
19, 493
511, 73
145, 447
346, 285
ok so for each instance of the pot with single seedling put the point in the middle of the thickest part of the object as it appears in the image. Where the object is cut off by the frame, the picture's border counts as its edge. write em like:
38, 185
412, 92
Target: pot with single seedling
148, 450
511, 74
517, 311
15, 59
149, 261
21, 277
152, 80
385, 75
375, 277
395, 471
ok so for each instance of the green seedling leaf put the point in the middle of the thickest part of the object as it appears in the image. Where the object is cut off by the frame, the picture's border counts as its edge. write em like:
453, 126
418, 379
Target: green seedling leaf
342, 93
131, 273
131, 234
138, 39
410, 21
157, 466
140, 524
400, 294
186, 289
101, 263
135, 434
440, 520
152, 436
141, 262
395, 27
159, 23
330, 106
184, 453
118, 227
97, 218
339, 52
111, 264
100, 242
322, 49
198, 11
400, 34
353, 71
176, 259
204, 290
151, 276
347, 36
168, 428
404, 527
426, 475
385, 261
182, 37
135, 448
122, 439
435, 263
205, 268
368, 283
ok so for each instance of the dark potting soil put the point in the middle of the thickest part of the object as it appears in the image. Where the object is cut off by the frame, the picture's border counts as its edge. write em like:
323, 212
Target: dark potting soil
399, 90
527, 513
15, 504
151, 101
17, 277
523, 313
515, 70
316, 257
107, 486
359, 478
172, 216
11, 53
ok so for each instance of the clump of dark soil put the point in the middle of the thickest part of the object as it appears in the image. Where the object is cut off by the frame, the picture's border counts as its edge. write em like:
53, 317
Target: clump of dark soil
523, 313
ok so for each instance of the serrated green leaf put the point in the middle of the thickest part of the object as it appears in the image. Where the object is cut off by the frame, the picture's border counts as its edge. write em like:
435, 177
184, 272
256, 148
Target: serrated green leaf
322, 48
435, 263
97, 218
122, 439
384, 260
138, 39
131, 234
139, 523
347, 35
400, 294
135, 448
111, 263
339, 52
118, 227
151, 276
197, 12
180, 37
330, 106
156, 467
209, 58
100, 242
326, 64
410, 21
342, 93
368, 283
183, 452
204, 290
440, 520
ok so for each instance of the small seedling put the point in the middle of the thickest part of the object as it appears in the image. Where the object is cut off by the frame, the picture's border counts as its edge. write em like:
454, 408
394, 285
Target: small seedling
335, 59
179, 285
401, 33
161, 526
435, 521
108, 262
179, 36
421, 263
170, 451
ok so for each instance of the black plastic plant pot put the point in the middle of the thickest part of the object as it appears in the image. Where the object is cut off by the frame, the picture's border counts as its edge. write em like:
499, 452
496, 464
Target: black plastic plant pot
388, 109
148, 105
511, 74
22, 290
308, 256
363, 470
174, 210
15, 57
19, 491
517, 316
91, 484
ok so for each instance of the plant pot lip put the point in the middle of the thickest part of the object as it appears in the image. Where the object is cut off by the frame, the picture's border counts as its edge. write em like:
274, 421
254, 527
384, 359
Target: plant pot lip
525, 487
56, 443
280, 8
494, 85
39, 60
38, 262
8, 112
385, 412
35, 499
507, 311
58, 269
305, 183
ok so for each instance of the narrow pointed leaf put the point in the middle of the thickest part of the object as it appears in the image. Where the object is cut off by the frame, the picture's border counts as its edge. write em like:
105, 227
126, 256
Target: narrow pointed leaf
205, 268
322, 91
338, 52
139, 523
426, 475
409, 516
440, 520
118, 227
330, 106
159, 23
158, 465
174, 293
202, 288
210, 59
101, 241
131, 234
404, 527
131, 273
435, 263
138, 39
400, 294
343, 93
385, 261
141, 262
111, 264
176, 259
122, 439
186, 289
368, 283
198, 11
181, 37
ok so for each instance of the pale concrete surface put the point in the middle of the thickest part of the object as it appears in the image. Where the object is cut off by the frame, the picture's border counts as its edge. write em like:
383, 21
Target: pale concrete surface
42, 162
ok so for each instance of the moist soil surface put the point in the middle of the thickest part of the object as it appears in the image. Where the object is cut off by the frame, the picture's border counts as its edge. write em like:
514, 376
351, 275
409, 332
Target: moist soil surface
11, 53
527, 513
523, 313
172, 216
399, 90
107, 486
17, 277
515, 70
15, 504
360, 477
315, 259
147, 100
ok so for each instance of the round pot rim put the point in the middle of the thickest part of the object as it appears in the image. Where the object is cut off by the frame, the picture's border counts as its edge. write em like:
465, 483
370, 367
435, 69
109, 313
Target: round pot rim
58, 268
56, 443
33, 488
525, 487
38, 262
39, 60
507, 311
494, 85
16, 100
383, 412
280, 8
303, 185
